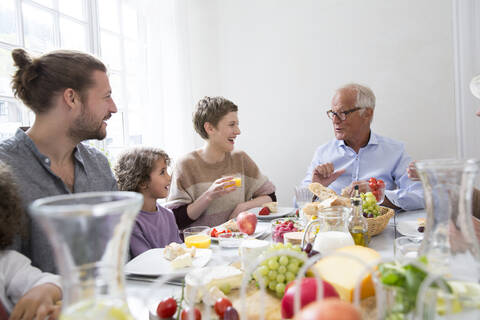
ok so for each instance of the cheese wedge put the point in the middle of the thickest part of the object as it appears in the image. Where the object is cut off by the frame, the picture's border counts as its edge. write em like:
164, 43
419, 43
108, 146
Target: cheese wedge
183, 261
202, 279
344, 272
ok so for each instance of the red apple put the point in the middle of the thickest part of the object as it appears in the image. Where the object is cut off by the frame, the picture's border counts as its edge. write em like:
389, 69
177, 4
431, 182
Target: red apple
247, 222
308, 293
329, 309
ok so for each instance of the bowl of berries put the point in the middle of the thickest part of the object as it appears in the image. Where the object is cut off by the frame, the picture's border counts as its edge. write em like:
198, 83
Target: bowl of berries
285, 225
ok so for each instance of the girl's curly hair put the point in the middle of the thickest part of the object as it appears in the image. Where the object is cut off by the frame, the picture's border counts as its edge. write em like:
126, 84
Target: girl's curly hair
11, 209
134, 166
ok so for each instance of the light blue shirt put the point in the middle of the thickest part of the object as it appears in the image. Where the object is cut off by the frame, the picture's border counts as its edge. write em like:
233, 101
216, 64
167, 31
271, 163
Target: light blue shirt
382, 158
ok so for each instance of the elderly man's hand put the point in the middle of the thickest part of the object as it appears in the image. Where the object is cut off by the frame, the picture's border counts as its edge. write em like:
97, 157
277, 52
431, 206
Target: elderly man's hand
412, 172
348, 191
326, 174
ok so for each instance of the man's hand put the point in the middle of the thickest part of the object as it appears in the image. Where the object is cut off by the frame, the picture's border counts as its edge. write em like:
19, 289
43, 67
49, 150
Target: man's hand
220, 188
38, 303
325, 174
348, 191
412, 172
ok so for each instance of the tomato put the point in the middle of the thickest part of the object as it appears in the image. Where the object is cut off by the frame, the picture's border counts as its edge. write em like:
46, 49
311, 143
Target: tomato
372, 180
166, 308
214, 233
380, 183
221, 305
196, 314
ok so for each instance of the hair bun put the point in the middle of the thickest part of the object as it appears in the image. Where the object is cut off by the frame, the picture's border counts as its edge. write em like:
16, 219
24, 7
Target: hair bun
21, 58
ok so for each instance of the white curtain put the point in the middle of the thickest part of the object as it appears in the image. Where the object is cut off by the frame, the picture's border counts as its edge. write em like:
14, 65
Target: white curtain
168, 104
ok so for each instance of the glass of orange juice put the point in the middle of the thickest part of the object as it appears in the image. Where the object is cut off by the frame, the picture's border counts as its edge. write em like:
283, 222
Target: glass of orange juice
235, 182
198, 237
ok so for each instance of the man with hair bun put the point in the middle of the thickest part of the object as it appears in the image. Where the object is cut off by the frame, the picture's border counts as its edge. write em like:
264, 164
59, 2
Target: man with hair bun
70, 94
358, 154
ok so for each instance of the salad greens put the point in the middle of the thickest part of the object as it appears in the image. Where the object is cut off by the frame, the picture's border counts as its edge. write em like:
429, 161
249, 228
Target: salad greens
406, 281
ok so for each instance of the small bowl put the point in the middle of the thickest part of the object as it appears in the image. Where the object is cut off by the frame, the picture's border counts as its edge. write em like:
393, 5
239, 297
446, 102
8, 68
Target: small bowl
278, 231
406, 248
231, 239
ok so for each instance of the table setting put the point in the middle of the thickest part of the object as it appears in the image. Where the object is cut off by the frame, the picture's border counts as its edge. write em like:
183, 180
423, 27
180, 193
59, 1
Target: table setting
252, 268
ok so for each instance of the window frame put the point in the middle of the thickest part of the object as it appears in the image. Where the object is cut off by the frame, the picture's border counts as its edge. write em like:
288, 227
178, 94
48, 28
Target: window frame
93, 45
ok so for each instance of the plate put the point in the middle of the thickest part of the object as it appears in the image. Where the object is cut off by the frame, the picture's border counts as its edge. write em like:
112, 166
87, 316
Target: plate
281, 212
409, 228
152, 263
260, 231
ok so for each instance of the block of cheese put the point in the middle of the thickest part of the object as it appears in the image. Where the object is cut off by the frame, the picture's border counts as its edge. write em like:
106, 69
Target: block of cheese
183, 261
250, 249
202, 279
174, 250
344, 272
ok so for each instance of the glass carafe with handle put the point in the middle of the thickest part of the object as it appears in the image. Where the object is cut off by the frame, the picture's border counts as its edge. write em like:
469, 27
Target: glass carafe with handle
331, 228
90, 234
449, 244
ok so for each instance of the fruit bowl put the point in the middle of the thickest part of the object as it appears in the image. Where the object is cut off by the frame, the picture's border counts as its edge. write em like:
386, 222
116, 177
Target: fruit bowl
283, 225
377, 224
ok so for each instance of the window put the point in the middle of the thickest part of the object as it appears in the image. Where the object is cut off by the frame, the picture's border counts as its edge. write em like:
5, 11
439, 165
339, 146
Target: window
108, 28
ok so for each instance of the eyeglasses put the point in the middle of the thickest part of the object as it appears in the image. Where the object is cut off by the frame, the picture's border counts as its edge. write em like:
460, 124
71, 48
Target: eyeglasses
342, 115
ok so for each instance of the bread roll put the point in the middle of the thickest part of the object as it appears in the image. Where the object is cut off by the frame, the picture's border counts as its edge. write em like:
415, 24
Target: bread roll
321, 191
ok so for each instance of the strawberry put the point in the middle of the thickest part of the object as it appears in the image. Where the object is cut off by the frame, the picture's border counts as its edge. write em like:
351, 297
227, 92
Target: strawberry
264, 212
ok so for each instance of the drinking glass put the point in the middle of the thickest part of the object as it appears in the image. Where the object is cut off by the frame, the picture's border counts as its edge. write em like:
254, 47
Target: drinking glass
198, 237
303, 195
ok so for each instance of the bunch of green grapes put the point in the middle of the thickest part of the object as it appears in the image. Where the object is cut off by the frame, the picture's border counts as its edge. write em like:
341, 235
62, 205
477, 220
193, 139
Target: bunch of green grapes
278, 271
369, 205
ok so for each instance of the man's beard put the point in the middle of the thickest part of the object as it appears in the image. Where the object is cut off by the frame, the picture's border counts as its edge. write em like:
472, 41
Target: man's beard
86, 128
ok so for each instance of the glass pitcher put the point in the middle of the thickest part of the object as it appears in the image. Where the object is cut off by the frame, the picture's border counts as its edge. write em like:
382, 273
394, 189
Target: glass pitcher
90, 234
332, 231
449, 244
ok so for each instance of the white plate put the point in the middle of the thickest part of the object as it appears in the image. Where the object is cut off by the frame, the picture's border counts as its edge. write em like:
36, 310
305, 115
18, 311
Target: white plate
409, 228
152, 263
260, 231
281, 212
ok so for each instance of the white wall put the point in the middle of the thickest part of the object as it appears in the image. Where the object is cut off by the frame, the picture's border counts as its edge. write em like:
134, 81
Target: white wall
281, 60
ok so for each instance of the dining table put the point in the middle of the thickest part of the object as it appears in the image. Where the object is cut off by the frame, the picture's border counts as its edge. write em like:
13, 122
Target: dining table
141, 291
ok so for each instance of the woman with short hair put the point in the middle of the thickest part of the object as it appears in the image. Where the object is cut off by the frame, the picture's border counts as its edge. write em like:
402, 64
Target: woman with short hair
202, 190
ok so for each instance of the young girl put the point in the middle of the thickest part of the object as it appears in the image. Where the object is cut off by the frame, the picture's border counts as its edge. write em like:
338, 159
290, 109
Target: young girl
202, 191
25, 291
144, 170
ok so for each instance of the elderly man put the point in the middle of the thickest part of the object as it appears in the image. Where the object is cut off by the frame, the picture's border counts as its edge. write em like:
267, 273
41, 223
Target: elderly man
357, 154
70, 94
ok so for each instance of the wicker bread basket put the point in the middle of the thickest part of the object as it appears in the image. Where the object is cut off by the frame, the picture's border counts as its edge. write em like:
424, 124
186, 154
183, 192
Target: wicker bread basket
377, 224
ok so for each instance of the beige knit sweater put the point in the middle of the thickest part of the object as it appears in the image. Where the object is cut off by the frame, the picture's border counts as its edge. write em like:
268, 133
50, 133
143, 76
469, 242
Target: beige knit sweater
193, 176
